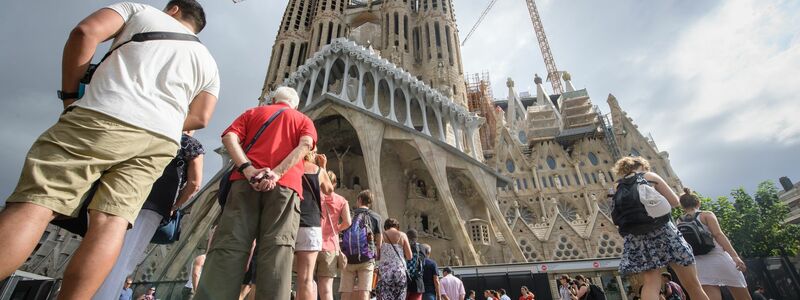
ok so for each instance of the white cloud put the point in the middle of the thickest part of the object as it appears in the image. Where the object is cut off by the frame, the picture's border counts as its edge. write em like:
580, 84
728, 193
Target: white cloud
739, 65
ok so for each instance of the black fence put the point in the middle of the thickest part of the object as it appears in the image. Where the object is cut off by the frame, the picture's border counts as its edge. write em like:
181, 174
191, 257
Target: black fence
777, 275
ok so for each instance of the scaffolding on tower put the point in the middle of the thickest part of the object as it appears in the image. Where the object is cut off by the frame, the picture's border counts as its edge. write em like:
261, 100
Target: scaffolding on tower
481, 101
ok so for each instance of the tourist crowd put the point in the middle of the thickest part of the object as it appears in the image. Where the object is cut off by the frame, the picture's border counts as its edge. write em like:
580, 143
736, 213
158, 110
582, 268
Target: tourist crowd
122, 156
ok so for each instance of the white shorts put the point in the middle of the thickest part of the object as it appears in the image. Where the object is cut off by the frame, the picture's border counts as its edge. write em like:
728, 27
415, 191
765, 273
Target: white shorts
308, 239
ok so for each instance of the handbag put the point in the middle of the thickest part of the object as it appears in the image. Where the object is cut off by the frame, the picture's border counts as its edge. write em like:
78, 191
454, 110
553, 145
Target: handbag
654, 203
341, 259
225, 183
170, 229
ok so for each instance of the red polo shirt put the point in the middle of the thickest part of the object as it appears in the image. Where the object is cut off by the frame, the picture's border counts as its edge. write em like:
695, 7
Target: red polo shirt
276, 142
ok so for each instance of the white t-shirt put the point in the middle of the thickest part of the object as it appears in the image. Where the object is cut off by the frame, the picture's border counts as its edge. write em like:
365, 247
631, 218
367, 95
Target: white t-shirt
150, 84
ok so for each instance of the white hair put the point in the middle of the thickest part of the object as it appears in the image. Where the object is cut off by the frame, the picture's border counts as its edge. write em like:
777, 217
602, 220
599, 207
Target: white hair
286, 95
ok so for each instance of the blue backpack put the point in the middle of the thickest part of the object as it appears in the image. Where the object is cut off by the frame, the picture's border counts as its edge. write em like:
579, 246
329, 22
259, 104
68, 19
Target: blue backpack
358, 240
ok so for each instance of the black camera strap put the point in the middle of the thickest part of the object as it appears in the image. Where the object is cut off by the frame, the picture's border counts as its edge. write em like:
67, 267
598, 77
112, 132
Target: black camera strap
141, 37
154, 36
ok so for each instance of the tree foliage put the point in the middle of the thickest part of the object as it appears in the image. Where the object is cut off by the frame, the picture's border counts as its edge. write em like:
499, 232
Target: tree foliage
754, 223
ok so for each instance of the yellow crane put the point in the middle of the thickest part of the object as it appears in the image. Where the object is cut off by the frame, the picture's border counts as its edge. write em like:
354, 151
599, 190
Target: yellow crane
544, 45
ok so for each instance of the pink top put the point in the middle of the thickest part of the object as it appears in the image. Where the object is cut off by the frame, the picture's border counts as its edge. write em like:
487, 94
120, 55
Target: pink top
452, 287
332, 206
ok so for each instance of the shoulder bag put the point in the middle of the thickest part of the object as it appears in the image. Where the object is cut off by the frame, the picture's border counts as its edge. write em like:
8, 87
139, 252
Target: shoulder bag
225, 182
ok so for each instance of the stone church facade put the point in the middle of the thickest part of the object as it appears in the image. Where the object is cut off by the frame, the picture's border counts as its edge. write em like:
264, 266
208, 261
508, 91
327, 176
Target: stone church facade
384, 83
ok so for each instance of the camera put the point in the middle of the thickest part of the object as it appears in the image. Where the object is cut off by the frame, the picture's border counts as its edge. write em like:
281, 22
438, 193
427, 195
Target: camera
87, 77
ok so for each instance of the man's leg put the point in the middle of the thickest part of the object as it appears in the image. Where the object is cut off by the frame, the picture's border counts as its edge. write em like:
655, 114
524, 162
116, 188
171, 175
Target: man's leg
95, 257
21, 227
224, 268
280, 219
132, 253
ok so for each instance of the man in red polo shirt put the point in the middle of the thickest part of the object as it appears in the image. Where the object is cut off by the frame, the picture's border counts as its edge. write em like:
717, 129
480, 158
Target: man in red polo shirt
263, 201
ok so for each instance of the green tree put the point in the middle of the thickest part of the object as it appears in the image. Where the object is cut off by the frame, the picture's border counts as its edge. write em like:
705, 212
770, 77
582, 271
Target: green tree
756, 229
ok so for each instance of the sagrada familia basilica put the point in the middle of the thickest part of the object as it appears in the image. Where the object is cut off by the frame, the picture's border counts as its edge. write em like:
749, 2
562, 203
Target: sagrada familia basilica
486, 181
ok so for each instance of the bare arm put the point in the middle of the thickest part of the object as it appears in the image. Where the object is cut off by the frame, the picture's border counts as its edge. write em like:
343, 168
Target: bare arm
100, 26
582, 291
662, 187
710, 219
197, 269
231, 143
345, 220
194, 177
325, 185
437, 286
378, 242
200, 111
406, 246
306, 144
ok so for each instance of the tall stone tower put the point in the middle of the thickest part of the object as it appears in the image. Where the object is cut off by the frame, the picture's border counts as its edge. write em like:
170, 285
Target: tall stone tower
420, 36
291, 43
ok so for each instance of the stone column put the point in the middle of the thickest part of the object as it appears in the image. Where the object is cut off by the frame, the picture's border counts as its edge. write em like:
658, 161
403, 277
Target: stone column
486, 184
370, 135
408, 121
312, 87
434, 159
392, 115
360, 97
328, 66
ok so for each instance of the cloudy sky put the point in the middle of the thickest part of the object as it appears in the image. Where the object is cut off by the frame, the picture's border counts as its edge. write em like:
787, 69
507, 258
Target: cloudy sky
714, 82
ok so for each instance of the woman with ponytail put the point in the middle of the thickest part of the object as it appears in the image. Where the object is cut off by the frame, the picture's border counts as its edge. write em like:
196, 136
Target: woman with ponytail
722, 265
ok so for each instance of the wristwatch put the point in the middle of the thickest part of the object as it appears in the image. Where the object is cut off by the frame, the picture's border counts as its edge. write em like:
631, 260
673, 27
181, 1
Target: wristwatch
243, 166
66, 96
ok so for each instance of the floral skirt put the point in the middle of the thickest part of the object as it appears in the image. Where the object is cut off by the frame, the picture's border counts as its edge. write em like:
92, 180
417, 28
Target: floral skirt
655, 250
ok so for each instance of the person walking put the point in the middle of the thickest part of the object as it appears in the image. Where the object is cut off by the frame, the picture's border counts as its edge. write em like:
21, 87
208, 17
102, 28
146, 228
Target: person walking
503, 295
452, 288
335, 218
471, 295
122, 132
395, 250
416, 285
127, 291
357, 277
430, 275
650, 244
722, 266
759, 294
263, 201
150, 294
309, 236
564, 292
526, 294
178, 183
671, 289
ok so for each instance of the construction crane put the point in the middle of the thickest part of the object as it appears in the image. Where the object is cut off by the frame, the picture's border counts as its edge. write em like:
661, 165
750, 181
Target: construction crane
544, 45
480, 19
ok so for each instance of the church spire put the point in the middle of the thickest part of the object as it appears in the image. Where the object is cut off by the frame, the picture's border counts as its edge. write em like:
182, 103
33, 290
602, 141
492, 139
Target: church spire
568, 81
515, 111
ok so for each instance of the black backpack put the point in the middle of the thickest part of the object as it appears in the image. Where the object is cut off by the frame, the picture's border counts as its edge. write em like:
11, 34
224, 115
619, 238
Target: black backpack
595, 293
415, 270
628, 212
696, 234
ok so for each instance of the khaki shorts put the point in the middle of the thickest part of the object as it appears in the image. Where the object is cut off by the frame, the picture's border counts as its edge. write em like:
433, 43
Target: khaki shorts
357, 278
85, 147
327, 266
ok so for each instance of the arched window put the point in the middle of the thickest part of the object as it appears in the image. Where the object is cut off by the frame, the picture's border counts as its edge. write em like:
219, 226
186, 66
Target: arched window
551, 162
510, 165
593, 158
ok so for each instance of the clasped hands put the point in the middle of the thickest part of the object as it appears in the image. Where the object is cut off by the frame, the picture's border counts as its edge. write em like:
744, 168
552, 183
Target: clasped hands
263, 179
